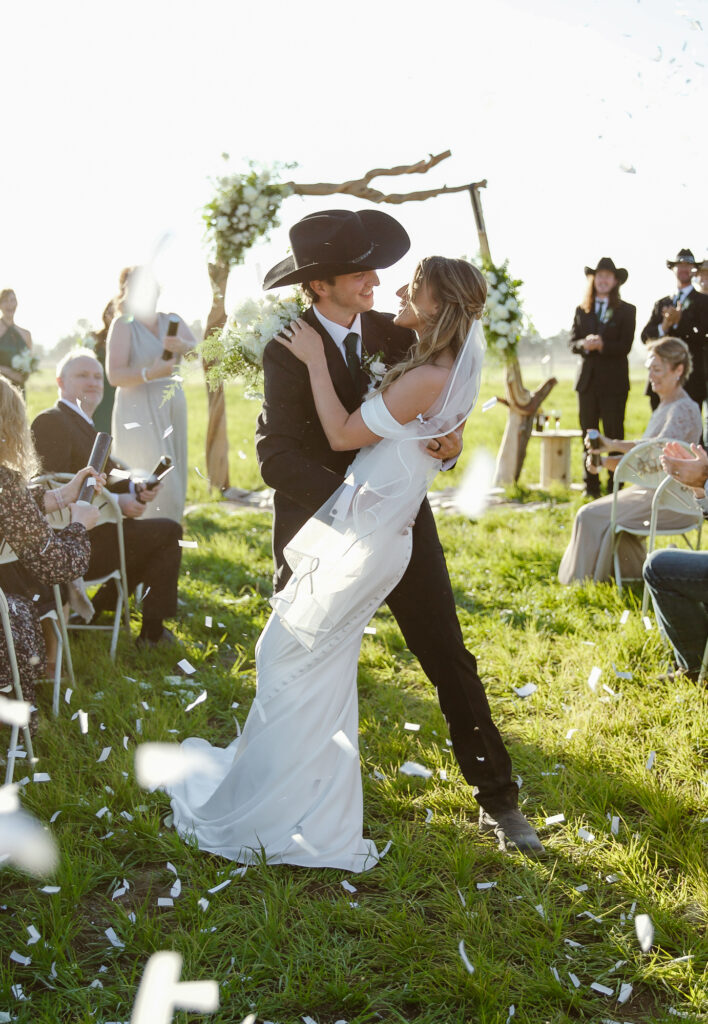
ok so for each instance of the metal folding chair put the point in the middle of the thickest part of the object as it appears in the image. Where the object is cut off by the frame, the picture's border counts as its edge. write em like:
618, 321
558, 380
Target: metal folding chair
642, 466
672, 496
14, 729
110, 512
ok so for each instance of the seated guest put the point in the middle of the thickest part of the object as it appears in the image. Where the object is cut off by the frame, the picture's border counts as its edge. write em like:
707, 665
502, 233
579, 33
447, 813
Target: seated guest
677, 417
44, 557
678, 580
64, 436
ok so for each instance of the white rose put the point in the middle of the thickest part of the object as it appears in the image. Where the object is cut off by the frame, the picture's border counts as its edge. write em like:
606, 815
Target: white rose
250, 193
378, 368
492, 277
502, 313
243, 209
222, 223
500, 327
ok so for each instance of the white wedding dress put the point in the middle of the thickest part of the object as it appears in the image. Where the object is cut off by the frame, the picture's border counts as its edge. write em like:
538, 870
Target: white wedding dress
289, 788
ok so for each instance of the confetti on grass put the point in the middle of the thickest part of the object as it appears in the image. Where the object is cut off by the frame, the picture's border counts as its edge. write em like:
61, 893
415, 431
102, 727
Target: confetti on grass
465, 959
594, 678
186, 667
645, 932
113, 939
197, 700
415, 769
161, 992
526, 690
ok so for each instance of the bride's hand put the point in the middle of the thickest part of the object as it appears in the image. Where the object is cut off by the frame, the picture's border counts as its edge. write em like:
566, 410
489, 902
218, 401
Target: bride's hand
303, 341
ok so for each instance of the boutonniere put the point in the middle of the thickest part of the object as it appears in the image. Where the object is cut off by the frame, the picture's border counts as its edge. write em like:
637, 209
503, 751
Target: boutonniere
607, 315
375, 369
684, 305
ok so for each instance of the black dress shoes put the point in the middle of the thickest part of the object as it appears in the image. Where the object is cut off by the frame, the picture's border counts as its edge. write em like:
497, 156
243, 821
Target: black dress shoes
513, 831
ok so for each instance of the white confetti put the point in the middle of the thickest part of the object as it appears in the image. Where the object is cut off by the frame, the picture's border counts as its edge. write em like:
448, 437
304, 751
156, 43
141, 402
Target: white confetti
197, 700
442, 774
539, 910
370, 630
650, 761
472, 495
603, 989
348, 886
159, 764
465, 960
555, 819
165, 901
594, 678
648, 624
130, 426
489, 404
526, 690
625, 992
18, 958
207, 622
41, 777
573, 944
219, 887
570, 733
624, 617
345, 744
14, 712
104, 755
462, 898
428, 815
167, 432
161, 992
644, 929
34, 935
101, 812
581, 888
186, 667
413, 768
556, 975
512, 1011
203, 903
50, 890
486, 885
615, 825
113, 939
574, 978
83, 721
188, 543
386, 848
67, 694
176, 890
54, 817
587, 836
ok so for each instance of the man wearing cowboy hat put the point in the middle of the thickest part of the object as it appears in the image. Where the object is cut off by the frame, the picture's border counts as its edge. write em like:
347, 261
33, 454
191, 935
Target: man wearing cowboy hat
335, 257
602, 334
683, 315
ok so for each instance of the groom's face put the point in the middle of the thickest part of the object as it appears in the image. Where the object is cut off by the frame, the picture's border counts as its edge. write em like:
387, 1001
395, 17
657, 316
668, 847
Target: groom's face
351, 292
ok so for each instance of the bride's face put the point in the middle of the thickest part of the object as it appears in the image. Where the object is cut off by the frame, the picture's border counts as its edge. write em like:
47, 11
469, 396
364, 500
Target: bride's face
410, 315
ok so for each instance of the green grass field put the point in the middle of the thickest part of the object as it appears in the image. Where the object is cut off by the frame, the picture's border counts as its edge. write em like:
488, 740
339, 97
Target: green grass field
287, 943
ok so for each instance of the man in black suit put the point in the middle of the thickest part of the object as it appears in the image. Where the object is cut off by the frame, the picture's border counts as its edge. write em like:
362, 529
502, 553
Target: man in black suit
63, 437
602, 333
335, 256
683, 315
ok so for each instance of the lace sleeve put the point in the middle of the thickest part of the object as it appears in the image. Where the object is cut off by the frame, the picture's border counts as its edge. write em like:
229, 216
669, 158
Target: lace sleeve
683, 422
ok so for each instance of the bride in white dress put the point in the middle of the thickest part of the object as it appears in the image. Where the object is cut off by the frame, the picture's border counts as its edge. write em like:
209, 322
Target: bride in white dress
289, 788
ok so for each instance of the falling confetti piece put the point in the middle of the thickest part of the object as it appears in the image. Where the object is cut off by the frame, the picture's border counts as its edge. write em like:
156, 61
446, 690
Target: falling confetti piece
644, 929
628, 168
594, 678
413, 768
83, 722
130, 426
167, 432
161, 992
489, 404
370, 630
465, 960
14, 712
472, 495
104, 755
345, 744
570, 733
188, 543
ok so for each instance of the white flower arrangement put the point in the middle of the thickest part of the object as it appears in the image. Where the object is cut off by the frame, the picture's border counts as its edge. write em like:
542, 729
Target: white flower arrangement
24, 362
244, 208
375, 369
504, 312
237, 350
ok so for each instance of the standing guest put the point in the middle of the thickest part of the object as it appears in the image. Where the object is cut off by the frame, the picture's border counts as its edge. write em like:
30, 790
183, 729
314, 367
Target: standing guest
602, 334
683, 315
700, 277
678, 580
43, 555
14, 340
104, 411
64, 437
677, 417
150, 411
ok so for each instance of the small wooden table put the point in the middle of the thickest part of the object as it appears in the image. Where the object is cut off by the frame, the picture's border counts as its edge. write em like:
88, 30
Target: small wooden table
555, 455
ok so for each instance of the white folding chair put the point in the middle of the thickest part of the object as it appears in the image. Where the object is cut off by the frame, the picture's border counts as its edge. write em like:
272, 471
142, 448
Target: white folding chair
110, 512
58, 627
672, 496
12, 751
641, 466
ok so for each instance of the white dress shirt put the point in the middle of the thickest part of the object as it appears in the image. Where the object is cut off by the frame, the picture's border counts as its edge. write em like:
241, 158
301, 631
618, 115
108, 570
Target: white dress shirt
77, 408
338, 333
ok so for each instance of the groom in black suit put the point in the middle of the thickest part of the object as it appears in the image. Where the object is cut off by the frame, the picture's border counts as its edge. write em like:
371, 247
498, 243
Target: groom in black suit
335, 257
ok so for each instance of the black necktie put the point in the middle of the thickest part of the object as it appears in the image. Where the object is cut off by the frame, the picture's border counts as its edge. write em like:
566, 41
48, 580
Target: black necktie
599, 309
350, 348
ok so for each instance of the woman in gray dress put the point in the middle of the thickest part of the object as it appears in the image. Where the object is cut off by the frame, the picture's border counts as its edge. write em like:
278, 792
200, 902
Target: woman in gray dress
150, 411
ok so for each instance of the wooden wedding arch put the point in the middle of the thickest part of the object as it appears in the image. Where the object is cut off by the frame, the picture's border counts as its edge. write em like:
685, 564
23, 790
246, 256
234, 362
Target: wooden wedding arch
521, 403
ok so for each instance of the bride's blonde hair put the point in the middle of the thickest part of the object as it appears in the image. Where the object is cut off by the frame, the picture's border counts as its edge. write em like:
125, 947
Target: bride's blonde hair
460, 291
16, 448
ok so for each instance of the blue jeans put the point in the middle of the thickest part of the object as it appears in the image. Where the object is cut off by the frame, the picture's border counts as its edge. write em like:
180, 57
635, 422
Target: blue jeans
678, 584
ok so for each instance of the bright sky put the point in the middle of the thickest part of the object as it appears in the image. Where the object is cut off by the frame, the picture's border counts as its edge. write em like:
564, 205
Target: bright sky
115, 117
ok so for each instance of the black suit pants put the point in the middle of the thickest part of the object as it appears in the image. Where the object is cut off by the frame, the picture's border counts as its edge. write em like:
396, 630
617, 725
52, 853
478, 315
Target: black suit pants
595, 405
424, 607
152, 557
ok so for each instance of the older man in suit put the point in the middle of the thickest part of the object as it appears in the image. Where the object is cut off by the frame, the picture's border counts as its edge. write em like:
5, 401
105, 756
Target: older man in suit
335, 257
63, 437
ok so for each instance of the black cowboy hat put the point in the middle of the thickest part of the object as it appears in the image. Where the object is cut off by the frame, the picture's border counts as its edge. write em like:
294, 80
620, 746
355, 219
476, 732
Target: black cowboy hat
607, 264
339, 242
682, 256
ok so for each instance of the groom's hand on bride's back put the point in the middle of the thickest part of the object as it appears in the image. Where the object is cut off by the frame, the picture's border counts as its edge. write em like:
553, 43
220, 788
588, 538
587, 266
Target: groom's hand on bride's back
448, 446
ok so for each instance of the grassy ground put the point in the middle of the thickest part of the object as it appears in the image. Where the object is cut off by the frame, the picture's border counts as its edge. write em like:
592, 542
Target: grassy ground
285, 942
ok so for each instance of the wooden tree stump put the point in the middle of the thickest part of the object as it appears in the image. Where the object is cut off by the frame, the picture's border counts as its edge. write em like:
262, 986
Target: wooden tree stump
523, 406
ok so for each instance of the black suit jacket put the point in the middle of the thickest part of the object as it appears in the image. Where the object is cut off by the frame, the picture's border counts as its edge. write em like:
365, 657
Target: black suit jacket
64, 440
607, 370
691, 328
294, 455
